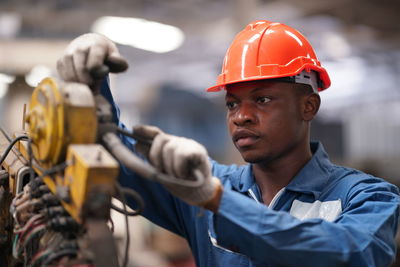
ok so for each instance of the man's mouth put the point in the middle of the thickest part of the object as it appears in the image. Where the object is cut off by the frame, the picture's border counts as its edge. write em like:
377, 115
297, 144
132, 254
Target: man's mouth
244, 137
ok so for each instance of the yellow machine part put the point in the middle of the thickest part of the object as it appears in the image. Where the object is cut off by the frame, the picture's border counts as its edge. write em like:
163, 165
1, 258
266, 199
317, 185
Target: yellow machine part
90, 166
60, 114
63, 127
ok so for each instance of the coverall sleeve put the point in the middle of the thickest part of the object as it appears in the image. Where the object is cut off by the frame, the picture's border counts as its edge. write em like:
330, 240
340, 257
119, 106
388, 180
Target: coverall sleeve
363, 235
161, 207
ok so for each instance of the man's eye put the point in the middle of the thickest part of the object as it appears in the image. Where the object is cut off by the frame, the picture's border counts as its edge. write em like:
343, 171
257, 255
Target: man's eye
263, 99
231, 105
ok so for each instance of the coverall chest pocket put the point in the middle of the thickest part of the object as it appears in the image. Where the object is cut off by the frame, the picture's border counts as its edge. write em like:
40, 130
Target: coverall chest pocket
219, 256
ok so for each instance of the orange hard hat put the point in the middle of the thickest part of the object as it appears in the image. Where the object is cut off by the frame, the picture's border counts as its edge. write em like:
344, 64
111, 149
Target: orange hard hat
269, 50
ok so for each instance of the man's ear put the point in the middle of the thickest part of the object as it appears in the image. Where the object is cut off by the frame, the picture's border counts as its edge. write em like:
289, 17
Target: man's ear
311, 106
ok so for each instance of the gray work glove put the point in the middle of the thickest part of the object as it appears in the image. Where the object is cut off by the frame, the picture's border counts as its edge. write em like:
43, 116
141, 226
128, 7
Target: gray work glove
178, 156
86, 53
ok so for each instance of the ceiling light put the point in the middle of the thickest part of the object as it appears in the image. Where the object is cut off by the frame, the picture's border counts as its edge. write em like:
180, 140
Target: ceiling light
140, 33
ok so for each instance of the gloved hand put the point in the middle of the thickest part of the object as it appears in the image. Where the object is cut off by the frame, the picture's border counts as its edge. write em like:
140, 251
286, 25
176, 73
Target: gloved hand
177, 156
87, 52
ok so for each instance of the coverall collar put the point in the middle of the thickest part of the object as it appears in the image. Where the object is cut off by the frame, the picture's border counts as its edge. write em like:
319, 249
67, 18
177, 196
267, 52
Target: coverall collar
310, 179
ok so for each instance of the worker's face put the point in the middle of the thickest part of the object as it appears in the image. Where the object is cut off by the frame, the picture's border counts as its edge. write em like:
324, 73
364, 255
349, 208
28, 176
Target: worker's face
266, 119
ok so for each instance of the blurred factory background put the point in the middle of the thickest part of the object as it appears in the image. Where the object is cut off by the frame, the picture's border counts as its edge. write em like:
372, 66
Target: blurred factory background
175, 50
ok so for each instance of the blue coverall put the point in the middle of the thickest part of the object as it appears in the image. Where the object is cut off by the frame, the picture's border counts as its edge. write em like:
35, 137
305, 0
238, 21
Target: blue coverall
328, 215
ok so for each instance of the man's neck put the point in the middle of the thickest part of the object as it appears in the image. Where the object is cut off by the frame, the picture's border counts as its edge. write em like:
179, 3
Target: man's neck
274, 175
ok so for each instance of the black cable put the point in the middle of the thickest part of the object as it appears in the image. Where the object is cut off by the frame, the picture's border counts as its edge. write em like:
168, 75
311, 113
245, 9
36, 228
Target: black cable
133, 162
30, 155
10, 146
125, 212
55, 169
128, 213
133, 194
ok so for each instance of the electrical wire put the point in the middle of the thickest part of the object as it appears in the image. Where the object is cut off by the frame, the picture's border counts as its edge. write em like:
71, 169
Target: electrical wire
128, 213
40, 256
10, 146
29, 223
14, 247
51, 245
35, 231
22, 239
34, 228
125, 212
13, 209
133, 194
21, 197
30, 159
27, 205
55, 169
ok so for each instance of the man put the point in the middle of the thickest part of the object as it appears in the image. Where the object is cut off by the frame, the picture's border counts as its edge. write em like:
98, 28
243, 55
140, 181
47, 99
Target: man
290, 205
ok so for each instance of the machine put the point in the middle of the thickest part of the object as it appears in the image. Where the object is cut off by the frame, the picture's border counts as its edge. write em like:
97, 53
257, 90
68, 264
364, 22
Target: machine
57, 179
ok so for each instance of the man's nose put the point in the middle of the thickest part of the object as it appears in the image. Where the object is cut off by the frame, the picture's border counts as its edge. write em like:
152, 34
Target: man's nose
244, 115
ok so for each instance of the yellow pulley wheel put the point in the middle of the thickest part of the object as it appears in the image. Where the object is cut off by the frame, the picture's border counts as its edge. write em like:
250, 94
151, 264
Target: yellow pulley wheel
60, 114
